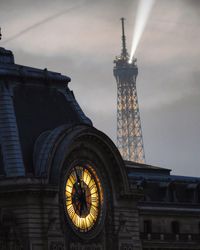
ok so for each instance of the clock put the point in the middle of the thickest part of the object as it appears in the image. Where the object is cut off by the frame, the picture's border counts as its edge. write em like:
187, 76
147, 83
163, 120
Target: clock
84, 198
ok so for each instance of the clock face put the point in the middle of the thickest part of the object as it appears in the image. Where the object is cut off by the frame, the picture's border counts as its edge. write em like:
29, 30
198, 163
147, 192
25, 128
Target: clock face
84, 197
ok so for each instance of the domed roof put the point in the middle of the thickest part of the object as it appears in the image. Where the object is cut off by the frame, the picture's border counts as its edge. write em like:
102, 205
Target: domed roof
32, 101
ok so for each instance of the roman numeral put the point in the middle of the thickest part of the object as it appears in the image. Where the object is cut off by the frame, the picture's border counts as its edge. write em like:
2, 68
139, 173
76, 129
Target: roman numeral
93, 186
68, 200
94, 193
70, 210
93, 211
94, 199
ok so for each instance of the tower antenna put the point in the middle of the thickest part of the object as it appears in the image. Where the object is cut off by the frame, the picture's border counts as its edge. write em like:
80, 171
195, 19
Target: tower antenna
124, 50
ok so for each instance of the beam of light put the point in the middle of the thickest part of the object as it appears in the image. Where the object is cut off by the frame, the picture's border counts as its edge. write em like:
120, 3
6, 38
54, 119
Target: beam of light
143, 11
43, 21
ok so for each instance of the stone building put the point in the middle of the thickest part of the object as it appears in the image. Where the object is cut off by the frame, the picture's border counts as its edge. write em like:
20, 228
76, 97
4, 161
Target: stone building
64, 185
169, 211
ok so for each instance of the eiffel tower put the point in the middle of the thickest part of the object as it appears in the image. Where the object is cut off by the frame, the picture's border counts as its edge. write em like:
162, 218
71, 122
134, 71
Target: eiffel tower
129, 131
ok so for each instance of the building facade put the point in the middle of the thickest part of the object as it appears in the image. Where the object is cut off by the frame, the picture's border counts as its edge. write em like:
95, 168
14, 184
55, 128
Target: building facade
64, 184
169, 212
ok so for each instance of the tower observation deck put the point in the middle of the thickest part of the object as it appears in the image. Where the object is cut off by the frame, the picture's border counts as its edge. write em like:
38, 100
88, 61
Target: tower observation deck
129, 131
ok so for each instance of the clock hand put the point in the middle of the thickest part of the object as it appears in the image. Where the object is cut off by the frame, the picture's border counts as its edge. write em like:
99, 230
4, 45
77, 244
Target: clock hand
78, 189
81, 208
84, 200
83, 203
75, 196
77, 176
79, 182
81, 193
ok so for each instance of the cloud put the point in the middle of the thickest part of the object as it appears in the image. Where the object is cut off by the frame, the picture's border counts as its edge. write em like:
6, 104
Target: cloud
83, 43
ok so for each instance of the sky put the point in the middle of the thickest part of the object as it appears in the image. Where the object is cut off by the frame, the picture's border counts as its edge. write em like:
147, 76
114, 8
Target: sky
81, 39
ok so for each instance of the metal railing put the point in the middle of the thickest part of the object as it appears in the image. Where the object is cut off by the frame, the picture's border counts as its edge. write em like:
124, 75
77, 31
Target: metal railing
170, 237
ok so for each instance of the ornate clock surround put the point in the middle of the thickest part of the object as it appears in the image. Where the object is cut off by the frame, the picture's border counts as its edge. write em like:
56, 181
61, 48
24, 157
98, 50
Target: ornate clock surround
59, 152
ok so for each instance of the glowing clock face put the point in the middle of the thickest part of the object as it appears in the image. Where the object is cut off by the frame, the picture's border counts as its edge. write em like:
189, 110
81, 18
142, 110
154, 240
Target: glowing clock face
84, 197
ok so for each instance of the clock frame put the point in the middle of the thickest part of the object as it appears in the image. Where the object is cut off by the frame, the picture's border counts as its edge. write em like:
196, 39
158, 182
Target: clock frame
84, 199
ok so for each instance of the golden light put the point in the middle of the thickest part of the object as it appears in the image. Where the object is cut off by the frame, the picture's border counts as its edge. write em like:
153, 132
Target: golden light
84, 196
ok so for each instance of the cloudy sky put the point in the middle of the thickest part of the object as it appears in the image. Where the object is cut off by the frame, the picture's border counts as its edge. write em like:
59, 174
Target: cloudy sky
81, 38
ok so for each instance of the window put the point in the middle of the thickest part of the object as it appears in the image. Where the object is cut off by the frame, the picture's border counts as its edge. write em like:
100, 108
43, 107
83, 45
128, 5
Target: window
147, 226
175, 227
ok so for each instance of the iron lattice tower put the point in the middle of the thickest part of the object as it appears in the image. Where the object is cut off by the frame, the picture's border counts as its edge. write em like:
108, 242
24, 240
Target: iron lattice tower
129, 131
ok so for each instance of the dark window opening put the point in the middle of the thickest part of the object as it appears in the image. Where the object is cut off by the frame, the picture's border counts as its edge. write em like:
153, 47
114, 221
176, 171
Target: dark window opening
175, 227
147, 226
2, 171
